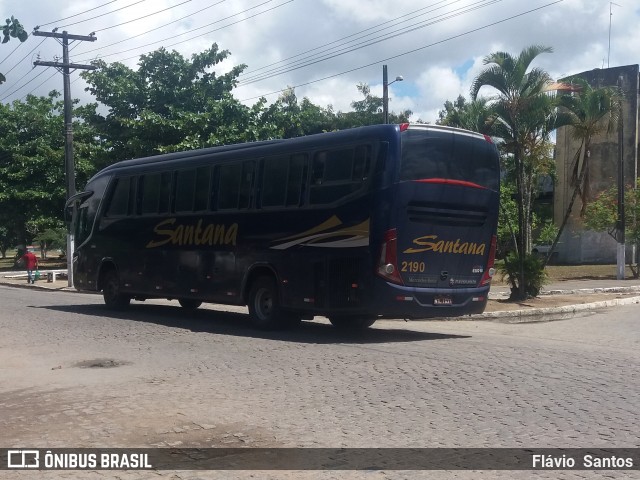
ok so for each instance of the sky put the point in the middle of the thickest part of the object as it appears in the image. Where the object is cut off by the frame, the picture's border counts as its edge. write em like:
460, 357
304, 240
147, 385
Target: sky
325, 48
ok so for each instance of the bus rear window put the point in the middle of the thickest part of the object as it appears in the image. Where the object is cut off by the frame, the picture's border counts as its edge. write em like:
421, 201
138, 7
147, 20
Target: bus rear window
448, 155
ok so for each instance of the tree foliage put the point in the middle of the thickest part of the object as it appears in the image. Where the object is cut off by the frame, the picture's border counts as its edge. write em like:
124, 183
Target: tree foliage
523, 117
12, 29
32, 182
589, 112
601, 215
168, 104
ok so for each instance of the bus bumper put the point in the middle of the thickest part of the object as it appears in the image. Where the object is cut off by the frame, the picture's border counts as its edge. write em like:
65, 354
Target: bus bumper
397, 301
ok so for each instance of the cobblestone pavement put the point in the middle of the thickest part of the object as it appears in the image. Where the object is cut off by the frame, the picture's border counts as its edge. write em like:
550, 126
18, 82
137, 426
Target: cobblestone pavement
73, 374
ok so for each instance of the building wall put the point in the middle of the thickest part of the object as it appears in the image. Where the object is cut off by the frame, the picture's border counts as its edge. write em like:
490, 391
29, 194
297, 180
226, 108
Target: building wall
576, 244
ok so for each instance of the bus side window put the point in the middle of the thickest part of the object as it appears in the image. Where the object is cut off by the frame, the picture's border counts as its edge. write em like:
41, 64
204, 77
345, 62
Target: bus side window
150, 186
246, 184
83, 228
361, 163
203, 180
166, 181
317, 174
332, 176
274, 181
119, 198
229, 186
185, 183
131, 207
297, 180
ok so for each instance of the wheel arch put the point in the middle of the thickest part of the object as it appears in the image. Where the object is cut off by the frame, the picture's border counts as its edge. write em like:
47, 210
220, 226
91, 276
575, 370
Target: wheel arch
256, 271
107, 265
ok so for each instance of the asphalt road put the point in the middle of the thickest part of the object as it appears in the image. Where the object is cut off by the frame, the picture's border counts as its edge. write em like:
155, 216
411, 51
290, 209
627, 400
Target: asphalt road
73, 374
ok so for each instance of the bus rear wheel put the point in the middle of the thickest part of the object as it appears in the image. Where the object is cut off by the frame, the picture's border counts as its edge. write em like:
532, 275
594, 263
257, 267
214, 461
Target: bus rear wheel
189, 304
352, 322
264, 306
113, 297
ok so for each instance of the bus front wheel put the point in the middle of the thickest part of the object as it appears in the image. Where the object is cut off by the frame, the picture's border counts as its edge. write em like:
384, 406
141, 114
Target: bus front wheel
113, 297
352, 323
264, 306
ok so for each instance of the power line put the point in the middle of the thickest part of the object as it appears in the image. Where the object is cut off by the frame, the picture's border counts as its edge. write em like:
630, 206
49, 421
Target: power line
143, 17
22, 86
199, 28
104, 14
153, 29
73, 48
407, 52
12, 52
366, 43
253, 71
77, 14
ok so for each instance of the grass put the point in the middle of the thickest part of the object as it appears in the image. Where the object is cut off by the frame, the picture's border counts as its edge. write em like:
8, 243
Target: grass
54, 262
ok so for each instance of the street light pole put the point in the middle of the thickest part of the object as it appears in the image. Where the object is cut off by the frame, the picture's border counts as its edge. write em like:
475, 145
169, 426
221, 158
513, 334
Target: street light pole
385, 92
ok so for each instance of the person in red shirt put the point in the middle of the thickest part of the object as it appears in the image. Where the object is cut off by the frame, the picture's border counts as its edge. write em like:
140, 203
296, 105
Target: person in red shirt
31, 264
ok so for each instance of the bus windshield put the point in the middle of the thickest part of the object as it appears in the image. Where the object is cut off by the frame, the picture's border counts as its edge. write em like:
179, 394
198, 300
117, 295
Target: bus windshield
435, 154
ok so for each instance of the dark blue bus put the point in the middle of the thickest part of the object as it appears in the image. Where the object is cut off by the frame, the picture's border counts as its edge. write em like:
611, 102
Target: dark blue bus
386, 221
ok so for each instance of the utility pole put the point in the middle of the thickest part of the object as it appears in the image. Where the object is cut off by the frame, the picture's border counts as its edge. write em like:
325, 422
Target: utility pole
65, 67
620, 224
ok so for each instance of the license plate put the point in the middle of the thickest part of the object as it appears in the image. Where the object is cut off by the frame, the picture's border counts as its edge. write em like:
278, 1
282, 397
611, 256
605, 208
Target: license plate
442, 301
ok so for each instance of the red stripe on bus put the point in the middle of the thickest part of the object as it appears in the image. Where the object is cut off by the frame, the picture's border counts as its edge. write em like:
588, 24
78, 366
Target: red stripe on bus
448, 181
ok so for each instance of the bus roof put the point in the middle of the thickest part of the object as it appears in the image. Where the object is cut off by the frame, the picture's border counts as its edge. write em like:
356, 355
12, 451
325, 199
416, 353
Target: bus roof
351, 133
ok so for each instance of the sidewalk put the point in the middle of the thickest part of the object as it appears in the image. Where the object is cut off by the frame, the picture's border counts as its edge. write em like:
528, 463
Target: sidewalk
557, 300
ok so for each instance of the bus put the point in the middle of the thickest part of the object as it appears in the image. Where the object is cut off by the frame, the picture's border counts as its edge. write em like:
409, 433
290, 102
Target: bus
384, 221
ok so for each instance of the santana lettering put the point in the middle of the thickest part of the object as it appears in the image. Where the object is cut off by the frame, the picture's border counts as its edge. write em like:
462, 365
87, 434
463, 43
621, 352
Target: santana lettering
199, 234
430, 243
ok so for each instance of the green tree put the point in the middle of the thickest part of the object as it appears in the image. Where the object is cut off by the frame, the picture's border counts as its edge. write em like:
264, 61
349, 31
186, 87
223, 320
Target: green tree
168, 104
590, 112
32, 182
475, 115
523, 117
601, 215
368, 111
12, 29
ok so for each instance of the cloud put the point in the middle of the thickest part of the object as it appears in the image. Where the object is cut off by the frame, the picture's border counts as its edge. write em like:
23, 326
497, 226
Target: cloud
325, 48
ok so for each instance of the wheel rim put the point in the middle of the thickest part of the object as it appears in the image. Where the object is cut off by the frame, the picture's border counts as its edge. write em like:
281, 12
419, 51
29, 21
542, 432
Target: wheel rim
112, 289
264, 304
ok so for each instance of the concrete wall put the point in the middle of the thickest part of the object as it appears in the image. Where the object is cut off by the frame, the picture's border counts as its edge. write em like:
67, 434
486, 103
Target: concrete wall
578, 245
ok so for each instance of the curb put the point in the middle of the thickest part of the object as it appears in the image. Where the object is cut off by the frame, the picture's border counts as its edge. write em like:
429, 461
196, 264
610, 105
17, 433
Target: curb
576, 291
553, 313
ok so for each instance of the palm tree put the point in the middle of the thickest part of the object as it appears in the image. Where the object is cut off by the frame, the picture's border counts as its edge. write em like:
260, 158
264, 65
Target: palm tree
590, 112
523, 116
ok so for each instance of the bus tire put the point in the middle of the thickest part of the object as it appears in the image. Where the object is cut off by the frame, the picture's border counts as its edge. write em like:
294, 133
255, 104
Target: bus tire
352, 322
264, 306
189, 304
113, 297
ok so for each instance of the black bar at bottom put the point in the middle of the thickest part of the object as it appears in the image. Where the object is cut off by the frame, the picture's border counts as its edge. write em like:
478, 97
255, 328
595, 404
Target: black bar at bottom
320, 459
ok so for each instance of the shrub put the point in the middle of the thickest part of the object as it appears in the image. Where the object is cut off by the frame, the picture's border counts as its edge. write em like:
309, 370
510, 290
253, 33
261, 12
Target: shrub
535, 275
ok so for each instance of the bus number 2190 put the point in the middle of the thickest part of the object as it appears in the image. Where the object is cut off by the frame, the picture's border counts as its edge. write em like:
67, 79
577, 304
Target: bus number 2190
413, 267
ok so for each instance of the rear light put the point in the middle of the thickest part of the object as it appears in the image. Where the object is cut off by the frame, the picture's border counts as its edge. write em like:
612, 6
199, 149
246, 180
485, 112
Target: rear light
489, 269
388, 263
404, 126
488, 138
449, 181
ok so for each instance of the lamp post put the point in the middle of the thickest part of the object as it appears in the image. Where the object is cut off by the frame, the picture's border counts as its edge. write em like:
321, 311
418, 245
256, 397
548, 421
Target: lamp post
385, 92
